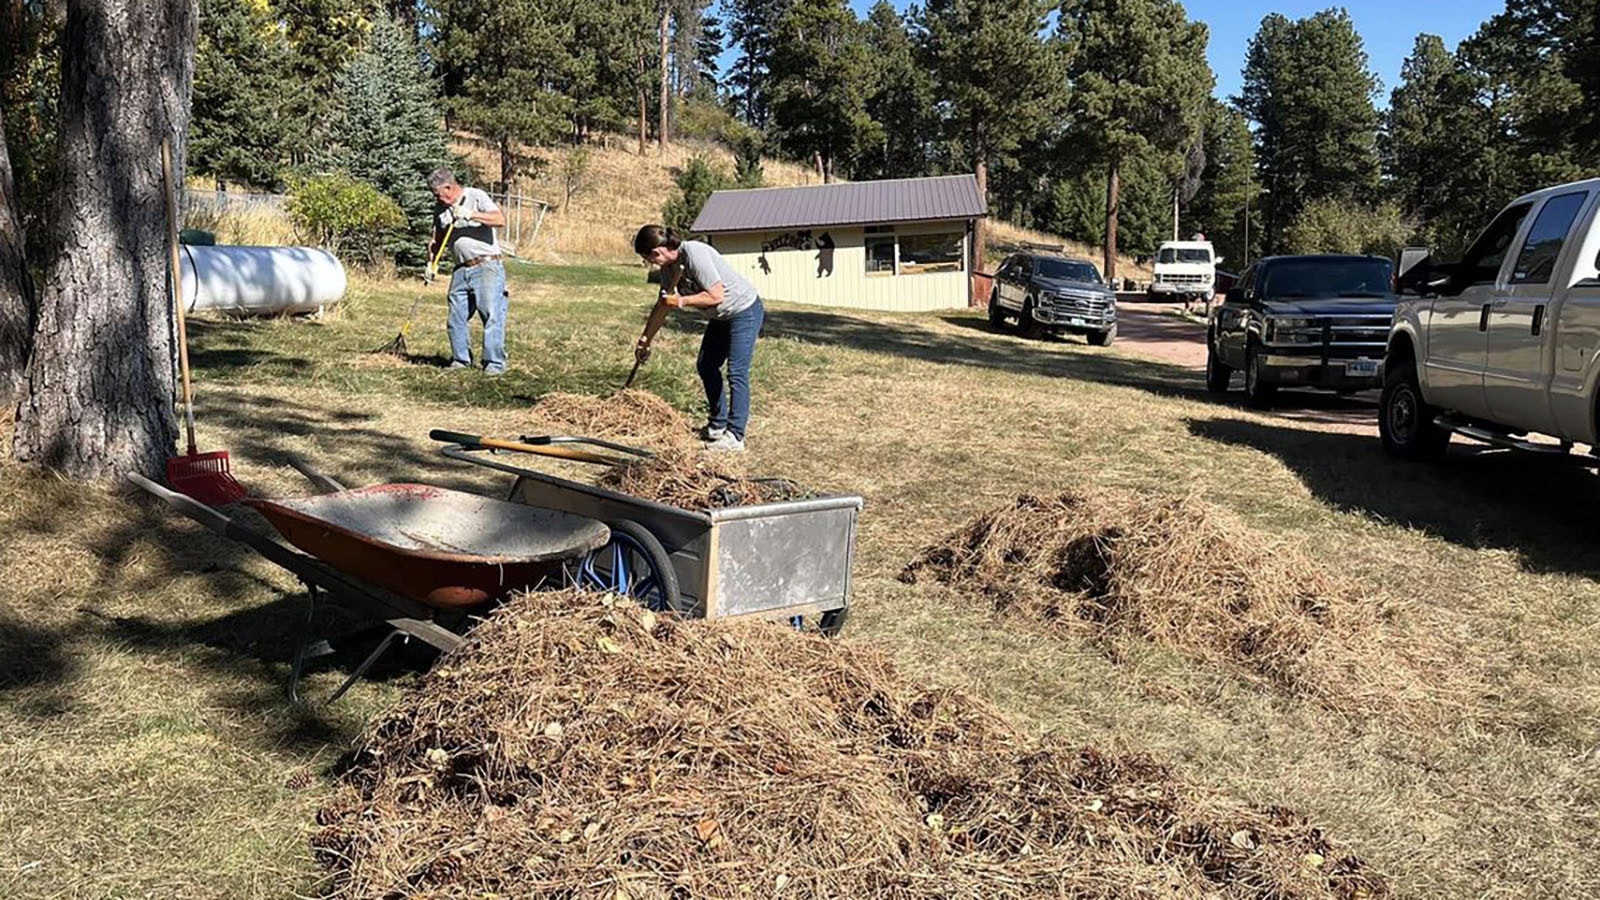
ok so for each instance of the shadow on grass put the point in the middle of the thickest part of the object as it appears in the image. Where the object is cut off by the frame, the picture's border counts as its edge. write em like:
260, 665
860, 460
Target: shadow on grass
1539, 509
983, 349
210, 603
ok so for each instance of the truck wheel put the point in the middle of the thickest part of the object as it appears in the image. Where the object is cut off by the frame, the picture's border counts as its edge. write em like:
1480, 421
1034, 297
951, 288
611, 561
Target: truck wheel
1405, 421
1026, 326
1258, 392
1103, 338
997, 316
1218, 375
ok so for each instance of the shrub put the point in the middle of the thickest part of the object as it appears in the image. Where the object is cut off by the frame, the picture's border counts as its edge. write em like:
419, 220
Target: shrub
347, 216
696, 183
1344, 226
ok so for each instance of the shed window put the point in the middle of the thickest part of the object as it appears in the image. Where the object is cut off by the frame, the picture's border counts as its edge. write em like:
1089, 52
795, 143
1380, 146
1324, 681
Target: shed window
931, 253
880, 254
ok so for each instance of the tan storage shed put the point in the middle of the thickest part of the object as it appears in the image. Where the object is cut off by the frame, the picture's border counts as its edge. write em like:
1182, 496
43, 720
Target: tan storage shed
903, 245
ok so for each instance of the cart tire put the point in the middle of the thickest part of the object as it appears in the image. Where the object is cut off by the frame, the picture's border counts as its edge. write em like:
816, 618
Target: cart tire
639, 567
832, 621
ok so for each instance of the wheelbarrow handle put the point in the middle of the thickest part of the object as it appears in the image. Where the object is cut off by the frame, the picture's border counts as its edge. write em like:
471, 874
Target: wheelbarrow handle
479, 442
222, 524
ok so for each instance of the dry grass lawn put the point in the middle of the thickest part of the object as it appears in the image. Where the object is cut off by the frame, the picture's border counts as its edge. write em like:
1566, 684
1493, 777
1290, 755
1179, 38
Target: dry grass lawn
146, 748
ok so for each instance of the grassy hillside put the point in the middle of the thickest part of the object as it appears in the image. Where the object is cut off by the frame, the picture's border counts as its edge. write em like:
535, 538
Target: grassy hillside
623, 190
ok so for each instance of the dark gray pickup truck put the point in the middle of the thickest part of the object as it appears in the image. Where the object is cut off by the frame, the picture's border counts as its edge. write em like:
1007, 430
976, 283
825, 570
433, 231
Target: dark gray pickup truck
1303, 321
1054, 293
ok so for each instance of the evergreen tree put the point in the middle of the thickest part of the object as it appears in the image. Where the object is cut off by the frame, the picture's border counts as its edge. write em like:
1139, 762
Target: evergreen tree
1002, 84
1435, 144
502, 63
752, 25
820, 76
1227, 188
709, 45
1140, 83
324, 35
1308, 89
242, 130
388, 132
901, 100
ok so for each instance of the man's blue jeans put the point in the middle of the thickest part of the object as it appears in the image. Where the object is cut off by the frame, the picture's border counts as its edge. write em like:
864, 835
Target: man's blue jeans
482, 289
731, 341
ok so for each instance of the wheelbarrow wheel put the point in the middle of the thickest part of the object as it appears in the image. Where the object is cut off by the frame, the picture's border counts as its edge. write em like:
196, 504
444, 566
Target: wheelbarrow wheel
634, 564
829, 624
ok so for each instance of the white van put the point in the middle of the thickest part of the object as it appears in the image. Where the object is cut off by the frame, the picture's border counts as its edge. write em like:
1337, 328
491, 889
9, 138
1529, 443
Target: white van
1186, 271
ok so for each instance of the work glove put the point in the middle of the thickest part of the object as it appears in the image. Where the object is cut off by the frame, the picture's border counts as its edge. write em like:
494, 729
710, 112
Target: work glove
641, 351
431, 273
463, 213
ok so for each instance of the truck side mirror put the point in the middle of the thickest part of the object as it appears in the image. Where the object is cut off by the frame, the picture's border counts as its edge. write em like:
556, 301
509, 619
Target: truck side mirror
1234, 295
1219, 260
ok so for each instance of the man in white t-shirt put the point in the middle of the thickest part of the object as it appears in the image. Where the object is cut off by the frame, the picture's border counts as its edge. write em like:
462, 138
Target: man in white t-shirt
479, 280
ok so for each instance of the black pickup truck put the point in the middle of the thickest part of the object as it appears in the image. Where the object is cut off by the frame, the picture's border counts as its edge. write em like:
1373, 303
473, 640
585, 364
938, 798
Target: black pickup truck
1302, 321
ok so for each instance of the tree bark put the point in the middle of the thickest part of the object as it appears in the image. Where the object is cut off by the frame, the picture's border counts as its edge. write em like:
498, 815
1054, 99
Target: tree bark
18, 309
644, 113
1112, 186
663, 136
100, 380
980, 225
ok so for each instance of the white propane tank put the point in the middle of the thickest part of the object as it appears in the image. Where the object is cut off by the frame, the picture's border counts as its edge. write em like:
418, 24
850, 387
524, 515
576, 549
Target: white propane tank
261, 281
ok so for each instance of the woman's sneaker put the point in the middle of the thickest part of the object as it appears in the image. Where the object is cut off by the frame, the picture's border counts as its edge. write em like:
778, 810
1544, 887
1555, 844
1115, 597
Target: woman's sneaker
727, 443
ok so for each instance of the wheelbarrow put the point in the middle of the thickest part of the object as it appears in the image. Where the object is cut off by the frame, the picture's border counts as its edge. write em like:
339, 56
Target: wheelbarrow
789, 560
415, 558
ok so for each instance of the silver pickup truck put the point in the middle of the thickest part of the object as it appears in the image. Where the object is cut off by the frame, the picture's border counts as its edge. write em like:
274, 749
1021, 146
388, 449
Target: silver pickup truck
1504, 344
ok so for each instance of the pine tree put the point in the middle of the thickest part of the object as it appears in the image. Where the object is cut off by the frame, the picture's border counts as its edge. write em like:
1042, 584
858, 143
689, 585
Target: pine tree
752, 25
1309, 91
324, 35
502, 62
1140, 83
388, 131
709, 45
820, 76
242, 130
1002, 84
901, 100
1435, 142
1228, 187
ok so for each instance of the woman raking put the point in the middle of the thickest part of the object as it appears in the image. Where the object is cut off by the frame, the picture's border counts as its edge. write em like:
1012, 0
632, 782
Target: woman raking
695, 276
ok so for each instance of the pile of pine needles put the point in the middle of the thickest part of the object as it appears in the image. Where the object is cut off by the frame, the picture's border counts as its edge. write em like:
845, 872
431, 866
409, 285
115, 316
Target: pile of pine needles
580, 746
1193, 578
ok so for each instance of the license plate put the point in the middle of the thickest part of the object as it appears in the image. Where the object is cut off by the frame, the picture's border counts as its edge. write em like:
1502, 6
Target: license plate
1361, 367
1076, 321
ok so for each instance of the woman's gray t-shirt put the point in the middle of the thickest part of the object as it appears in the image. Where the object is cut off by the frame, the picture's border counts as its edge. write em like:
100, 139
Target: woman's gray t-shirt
701, 266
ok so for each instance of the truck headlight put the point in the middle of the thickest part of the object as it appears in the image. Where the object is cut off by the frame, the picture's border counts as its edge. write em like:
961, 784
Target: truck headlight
1283, 330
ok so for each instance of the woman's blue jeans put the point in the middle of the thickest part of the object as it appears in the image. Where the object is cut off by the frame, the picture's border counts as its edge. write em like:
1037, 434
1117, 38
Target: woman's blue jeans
731, 342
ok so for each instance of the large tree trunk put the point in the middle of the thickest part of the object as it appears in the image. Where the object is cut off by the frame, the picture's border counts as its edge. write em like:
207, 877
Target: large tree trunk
1112, 186
664, 137
643, 111
980, 225
99, 383
18, 310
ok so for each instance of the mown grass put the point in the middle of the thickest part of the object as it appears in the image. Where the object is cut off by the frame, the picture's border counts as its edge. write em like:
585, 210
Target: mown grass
146, 748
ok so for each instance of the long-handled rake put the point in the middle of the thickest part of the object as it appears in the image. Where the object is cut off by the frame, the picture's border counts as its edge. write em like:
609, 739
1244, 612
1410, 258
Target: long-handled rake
398, 345
203, 476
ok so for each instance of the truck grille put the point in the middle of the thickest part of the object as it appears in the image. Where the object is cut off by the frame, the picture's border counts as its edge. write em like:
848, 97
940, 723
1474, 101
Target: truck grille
1184, 279
1080, 302
1359, 334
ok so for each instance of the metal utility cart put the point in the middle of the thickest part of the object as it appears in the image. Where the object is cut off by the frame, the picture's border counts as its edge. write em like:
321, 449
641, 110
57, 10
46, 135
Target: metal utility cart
787, 559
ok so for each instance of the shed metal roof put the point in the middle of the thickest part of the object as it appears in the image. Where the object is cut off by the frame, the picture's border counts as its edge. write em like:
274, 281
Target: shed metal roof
852, 203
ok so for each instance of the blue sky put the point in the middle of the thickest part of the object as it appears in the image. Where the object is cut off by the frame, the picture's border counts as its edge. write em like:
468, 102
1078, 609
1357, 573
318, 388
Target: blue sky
1387, 27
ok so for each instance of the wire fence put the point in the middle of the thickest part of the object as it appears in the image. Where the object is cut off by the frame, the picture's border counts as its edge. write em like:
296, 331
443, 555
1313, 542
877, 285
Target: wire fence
218, 202
524, 214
